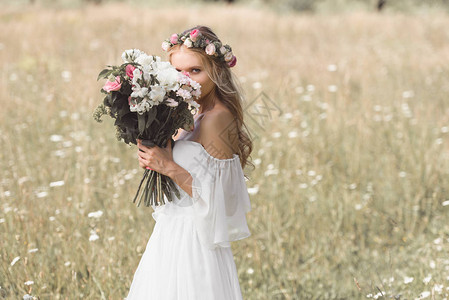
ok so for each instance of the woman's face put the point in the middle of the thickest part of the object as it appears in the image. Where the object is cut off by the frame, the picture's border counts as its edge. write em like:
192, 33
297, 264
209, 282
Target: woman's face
185, 60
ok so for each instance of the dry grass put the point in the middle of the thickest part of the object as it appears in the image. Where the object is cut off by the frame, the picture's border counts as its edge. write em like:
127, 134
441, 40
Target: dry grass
352, 173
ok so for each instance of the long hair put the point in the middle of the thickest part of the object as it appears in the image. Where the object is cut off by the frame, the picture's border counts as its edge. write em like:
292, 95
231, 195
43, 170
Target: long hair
227, 90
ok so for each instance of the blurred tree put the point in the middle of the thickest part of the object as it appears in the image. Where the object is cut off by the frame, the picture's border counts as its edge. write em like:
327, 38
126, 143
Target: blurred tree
380, 4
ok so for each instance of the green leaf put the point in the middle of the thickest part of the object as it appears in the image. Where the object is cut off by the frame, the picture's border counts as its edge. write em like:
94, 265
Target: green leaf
103, 74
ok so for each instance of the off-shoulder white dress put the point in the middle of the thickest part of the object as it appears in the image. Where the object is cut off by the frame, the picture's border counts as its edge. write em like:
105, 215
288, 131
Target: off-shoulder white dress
188, 255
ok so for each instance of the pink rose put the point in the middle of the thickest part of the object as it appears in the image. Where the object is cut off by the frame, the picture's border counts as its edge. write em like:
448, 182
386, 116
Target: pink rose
210, 49
232, 62
194, 34
174, 39
113, 86
186, 73
129, 71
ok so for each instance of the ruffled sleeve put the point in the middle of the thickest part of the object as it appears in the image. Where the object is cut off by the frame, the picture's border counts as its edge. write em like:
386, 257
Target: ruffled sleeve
220, 200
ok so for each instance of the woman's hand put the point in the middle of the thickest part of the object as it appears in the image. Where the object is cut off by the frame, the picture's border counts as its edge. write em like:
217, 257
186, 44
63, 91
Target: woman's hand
156, 158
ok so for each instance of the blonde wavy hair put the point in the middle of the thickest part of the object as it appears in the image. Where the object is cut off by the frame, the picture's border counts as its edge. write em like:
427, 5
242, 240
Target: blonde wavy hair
227, 90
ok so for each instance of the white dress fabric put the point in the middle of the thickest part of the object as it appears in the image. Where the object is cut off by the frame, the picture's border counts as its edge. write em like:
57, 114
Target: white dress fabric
188, 255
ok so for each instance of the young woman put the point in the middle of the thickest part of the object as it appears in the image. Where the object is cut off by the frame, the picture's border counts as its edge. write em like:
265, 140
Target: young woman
188, 255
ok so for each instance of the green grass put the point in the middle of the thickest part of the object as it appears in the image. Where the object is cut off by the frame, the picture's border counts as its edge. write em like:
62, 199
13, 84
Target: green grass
352, 170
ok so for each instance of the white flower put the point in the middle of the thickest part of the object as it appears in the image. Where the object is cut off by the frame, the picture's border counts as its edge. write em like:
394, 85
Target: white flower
223, 50
93, 236
29, 282
95, 214
185, 94
137, 74
408, 279
228, 56
171, 102
15, 260
210, 49
157, 94
166, 46
139, 92
144, 60
188, 43
169, 78
27, 297
196, 93
131, 55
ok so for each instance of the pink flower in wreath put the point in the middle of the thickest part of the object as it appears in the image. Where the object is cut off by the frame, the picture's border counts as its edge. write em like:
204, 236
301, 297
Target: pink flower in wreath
174, 39
112, 86
232, 62
194, 34
129, 71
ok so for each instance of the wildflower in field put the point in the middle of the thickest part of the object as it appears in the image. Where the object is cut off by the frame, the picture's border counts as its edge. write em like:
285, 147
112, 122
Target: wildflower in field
332, 68
276, 134
311, 173
56, 138
16, 259
66, 75
93, 236
445, 203
57, 183
408, 280
424, 295
402, 174
95, 214
299, 90
408, 94
427, 279
33, 250
27, 297
332, 88
250, 271
29, 282
292, 134
310, 88
253, 190
444, 129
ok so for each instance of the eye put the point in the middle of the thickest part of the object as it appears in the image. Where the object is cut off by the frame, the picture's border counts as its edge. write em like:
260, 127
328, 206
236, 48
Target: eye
178, 70
196, 71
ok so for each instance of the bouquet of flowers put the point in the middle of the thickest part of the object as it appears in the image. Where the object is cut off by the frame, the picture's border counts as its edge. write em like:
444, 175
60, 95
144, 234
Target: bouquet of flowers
149, 100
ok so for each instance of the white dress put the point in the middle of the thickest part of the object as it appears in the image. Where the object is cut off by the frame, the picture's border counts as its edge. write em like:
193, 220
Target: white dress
188, 255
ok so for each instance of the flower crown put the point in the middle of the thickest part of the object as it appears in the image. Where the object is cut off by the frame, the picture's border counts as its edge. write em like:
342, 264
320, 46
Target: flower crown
195, 39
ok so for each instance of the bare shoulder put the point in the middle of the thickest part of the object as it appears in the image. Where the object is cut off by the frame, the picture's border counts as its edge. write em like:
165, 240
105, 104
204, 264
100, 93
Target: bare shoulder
219, 133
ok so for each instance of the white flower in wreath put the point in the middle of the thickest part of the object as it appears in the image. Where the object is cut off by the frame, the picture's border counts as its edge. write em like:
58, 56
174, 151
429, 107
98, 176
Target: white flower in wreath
188, 42
223, 50
210, 49
166, 46
228, 56
157, 94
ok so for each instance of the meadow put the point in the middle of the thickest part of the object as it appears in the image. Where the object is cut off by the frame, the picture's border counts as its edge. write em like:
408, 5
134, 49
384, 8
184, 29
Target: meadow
350, 119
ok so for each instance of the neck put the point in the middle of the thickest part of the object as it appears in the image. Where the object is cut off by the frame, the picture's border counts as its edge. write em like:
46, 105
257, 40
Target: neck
207, 102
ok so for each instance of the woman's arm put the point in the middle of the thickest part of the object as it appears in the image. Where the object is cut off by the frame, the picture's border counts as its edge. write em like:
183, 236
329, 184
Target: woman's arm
181, 177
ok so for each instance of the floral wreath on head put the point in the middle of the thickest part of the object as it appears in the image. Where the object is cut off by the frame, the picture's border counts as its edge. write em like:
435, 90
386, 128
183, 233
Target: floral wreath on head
195, 39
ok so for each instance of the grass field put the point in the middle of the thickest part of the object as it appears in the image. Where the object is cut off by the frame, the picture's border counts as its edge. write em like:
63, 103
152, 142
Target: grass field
350, 195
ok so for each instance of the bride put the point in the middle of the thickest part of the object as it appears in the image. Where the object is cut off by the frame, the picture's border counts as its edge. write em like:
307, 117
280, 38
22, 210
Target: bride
188, 255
